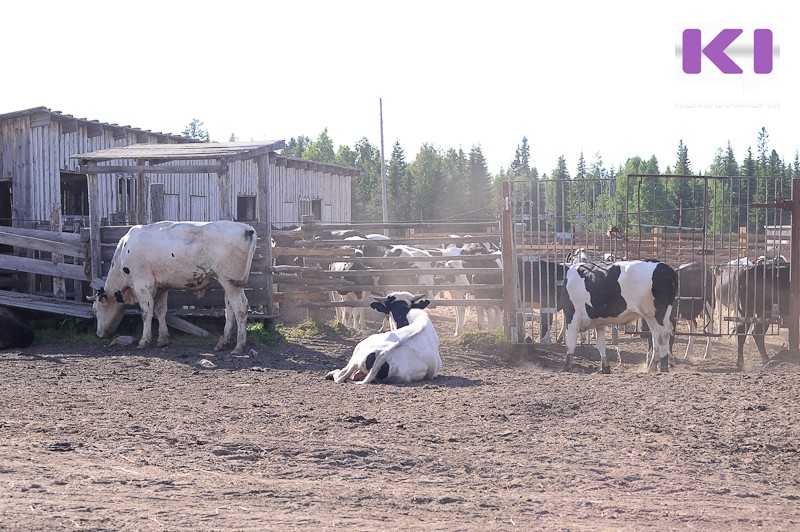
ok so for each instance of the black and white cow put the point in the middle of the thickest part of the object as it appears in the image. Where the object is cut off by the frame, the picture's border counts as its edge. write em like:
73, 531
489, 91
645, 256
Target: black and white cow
407, 353
13, 332
763, 293
600, 294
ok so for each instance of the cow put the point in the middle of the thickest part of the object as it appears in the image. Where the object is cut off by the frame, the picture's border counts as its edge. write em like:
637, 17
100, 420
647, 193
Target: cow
763, 294
352, 316
540, 283
152, 259
456, 285
726, 285
407, 353
426, 261
695, 299
493, 315
599, 294
13, 332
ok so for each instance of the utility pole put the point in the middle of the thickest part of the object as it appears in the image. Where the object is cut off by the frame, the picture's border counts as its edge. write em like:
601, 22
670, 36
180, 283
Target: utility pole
383, 176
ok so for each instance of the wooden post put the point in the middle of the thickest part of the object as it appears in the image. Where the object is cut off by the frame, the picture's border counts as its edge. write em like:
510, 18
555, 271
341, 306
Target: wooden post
308, 223
508, 253
95, 258
156, 203
264, 215
794, 271
224, 184
656, 232
59, 284
141, 195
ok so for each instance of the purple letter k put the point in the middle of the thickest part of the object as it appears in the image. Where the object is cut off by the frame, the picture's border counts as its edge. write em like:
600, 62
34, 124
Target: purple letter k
715, 51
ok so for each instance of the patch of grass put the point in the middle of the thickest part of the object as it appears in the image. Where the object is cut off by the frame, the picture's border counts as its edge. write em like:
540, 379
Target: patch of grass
310, 329
484, 341
264, 335
66, 330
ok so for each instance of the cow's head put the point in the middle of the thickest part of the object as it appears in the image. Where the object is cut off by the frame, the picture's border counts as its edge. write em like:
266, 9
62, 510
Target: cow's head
109, 310
398, 304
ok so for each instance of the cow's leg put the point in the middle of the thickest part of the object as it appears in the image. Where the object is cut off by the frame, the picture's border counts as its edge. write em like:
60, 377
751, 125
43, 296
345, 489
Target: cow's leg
546, 319
660, 336
571, 341
235, 310
161, 316
690, 344
708, 321
741, 337
147, 304
460, 312
600, 341
758, 336
339, 311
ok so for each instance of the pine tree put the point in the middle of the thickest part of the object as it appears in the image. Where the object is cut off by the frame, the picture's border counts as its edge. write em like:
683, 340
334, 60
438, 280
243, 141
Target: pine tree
195, 131
481, 202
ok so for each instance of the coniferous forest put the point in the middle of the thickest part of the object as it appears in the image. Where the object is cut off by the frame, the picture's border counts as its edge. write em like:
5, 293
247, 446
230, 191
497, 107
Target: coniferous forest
438, 184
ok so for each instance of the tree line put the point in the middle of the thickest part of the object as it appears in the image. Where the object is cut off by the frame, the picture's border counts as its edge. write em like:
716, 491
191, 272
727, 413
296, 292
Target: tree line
454, 185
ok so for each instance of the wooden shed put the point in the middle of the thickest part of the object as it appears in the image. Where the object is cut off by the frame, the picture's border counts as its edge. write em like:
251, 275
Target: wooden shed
87, 174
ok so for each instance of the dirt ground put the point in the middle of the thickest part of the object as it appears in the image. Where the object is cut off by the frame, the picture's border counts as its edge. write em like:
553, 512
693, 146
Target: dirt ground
179, 438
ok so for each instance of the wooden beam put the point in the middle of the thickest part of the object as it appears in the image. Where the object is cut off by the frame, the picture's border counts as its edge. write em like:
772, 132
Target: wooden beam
45, 304
42, 267
69, 126
41, 119
147, 169
94, 130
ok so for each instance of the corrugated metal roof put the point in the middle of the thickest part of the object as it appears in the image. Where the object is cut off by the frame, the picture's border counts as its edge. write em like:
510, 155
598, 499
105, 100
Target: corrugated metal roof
194, 151
58, 115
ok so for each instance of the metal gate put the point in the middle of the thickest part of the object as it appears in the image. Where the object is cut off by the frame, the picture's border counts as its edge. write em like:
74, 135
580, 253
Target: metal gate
727, 223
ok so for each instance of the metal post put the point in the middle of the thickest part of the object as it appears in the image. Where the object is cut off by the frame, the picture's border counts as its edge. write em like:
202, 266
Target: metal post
794, 272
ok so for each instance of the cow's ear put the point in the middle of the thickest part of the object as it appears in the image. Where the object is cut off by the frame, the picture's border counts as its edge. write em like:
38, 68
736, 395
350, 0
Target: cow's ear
127, 296
380, 307
422, 303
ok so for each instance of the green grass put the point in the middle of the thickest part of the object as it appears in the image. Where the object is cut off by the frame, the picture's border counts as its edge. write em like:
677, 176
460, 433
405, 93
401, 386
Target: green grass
485, 341
66, 330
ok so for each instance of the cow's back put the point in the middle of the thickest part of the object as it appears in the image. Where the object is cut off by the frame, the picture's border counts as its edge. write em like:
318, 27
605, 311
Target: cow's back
183, 254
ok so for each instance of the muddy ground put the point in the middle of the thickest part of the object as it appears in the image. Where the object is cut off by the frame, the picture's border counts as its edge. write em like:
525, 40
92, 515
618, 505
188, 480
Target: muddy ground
108, 437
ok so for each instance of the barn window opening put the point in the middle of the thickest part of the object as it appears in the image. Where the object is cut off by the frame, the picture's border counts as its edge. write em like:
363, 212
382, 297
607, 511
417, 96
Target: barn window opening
74, 194
311, 206
246, 208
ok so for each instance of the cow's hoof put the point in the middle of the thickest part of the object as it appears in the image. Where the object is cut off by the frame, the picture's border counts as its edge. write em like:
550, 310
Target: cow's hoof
163, 343
664, 365
606, 369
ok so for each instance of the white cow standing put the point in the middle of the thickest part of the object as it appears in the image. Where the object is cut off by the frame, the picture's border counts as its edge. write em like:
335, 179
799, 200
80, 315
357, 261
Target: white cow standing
152, 259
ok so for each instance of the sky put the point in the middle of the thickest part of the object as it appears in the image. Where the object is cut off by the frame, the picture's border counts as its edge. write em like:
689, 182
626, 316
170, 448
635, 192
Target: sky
598, 78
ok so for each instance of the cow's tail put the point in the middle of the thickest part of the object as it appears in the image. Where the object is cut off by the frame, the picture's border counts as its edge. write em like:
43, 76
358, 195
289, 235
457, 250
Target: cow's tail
250, 233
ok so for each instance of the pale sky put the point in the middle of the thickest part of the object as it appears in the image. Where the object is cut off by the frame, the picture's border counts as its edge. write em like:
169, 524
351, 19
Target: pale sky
597, 77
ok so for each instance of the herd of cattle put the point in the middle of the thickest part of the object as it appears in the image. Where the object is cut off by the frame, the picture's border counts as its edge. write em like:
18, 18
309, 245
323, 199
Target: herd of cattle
593, 292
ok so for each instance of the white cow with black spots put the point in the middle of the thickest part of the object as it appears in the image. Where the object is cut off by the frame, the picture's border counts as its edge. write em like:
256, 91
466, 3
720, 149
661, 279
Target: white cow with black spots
407, 353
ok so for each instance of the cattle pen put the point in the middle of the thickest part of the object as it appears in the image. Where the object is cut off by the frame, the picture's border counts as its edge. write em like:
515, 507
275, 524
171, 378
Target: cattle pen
52, 267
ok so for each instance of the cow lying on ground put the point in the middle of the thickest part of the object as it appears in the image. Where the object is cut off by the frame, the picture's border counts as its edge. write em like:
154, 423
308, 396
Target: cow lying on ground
13, 332
763, 293
407, 353
600, 294
152, 259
